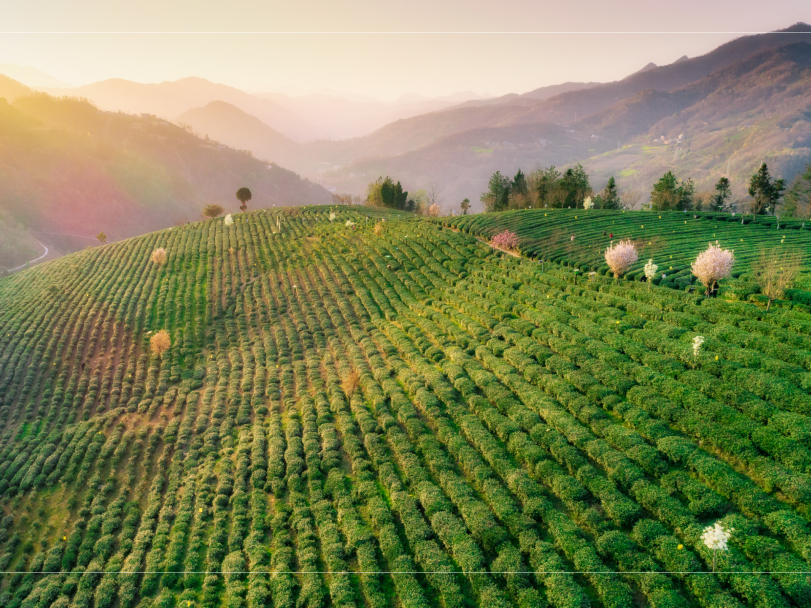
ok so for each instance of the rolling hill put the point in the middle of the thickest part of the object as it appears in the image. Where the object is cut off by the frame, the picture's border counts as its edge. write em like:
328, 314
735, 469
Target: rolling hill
171, 98
296, 412
229, 125
70, 171
671, 239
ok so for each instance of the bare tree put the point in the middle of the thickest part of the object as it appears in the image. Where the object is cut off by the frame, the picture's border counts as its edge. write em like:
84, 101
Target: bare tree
630, 198
776, 270
434, 194
351, 382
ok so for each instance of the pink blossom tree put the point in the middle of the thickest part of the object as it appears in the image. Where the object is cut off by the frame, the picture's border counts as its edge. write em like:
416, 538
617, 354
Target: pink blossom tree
506, 240
712, 265
620, 256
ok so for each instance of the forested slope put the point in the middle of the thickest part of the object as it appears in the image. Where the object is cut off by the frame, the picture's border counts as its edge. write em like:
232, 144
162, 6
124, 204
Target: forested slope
392, 416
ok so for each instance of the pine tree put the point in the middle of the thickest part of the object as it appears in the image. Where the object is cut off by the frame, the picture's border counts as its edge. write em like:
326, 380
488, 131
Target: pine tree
765, 192
519, 183
498, 194
610, 198
721, 195
669, 194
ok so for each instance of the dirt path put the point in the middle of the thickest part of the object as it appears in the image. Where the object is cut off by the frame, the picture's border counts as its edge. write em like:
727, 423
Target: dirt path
47, 251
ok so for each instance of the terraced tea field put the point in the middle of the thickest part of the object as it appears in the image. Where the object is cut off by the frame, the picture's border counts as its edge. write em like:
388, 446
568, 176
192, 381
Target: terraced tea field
390, 417
671, 239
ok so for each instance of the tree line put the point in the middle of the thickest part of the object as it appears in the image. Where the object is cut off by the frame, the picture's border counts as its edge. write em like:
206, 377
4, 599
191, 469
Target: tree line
571, 189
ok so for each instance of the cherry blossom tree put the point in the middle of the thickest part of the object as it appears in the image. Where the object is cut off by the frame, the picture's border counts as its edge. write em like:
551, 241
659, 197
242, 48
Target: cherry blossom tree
506, 240
713, 265
620, 256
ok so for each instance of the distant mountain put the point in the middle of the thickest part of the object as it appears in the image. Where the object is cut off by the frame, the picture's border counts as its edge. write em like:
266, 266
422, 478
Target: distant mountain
170, 99
31, 77
11, 89
342, 118
567, 107
753, 111
229, 125
647, 68
725, 123
557, 89
69, 171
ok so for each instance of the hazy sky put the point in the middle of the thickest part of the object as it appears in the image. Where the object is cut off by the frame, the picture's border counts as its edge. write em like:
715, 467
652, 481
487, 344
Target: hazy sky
383, 65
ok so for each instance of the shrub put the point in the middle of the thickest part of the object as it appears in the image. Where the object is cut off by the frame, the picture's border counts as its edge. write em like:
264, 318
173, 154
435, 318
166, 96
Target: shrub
160, 342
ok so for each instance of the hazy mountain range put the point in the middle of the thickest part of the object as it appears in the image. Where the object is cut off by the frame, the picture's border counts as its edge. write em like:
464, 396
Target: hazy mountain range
722, 113
732, 108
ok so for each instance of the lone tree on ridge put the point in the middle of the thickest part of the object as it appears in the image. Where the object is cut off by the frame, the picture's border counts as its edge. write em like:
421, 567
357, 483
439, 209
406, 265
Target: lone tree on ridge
212, 211
244, 195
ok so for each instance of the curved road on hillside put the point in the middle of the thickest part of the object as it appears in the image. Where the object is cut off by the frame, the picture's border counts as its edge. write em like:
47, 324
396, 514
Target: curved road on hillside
35, 259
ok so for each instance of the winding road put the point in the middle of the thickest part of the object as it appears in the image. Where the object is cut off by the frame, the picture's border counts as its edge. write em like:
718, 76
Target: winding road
35, 259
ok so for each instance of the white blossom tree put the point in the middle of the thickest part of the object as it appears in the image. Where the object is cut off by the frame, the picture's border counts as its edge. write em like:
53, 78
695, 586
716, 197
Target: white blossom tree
697, 342
650, 271
588, 203
715, 537
713, 265
229, 221
620, 256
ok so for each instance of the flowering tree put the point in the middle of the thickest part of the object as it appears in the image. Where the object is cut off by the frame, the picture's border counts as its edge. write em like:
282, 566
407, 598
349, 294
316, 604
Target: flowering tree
620, 256
650, 271
588, 203
697, 342
160, 342
716, 537
712, 265
506, 240
349, 223
159, 256
229, 221
332, 216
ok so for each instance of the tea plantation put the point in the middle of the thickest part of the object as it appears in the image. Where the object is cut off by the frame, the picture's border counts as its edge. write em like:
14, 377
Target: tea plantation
672, 239
393, 415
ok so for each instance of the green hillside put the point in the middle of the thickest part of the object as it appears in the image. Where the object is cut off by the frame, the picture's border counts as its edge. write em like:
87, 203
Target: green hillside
69, 171
390, 417
672, 239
